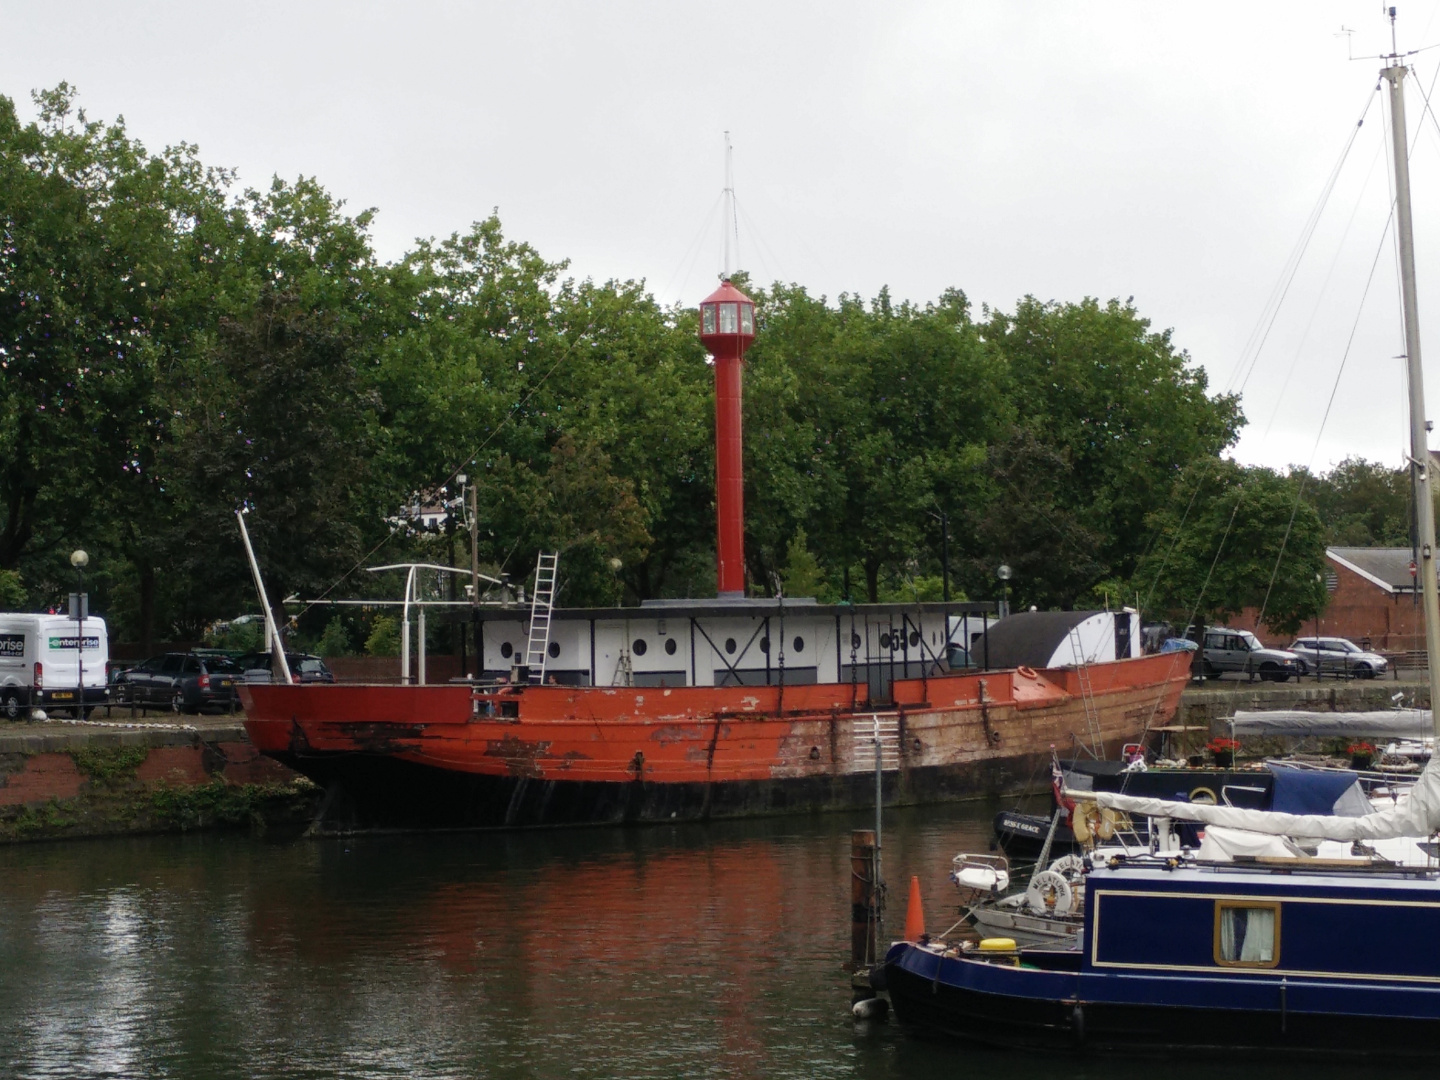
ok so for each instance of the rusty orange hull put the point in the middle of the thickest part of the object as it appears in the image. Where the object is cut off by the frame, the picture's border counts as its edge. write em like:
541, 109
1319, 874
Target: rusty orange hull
526, 755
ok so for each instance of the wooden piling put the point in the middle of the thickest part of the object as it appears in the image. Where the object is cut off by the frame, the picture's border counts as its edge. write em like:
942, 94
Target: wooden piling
863, 899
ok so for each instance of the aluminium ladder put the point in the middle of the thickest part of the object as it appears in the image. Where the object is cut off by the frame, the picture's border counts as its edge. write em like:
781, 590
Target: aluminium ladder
542, 605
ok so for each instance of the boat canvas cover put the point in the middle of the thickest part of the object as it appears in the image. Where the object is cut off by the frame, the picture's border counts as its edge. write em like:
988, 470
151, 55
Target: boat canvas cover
1419, 815
1386, 724
1314, 791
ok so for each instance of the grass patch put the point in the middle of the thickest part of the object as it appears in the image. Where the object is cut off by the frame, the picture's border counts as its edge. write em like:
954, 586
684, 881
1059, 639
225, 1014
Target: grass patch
216, 803
109, 764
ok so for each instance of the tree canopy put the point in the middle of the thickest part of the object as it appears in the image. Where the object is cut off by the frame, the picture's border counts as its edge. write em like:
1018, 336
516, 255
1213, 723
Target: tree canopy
174, 348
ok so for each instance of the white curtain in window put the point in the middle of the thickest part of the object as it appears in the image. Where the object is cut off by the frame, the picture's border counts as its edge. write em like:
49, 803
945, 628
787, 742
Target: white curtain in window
1247, 935
1258, 946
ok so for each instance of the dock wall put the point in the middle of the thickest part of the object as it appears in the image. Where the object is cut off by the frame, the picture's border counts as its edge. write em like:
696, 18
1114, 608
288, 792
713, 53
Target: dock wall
60, 781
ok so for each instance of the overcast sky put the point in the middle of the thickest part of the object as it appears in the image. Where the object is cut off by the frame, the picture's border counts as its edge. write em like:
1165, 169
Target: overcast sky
1166, 152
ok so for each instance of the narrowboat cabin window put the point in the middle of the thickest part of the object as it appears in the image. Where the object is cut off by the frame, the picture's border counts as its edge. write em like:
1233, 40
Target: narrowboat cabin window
1247, 934
729, 319
707, 318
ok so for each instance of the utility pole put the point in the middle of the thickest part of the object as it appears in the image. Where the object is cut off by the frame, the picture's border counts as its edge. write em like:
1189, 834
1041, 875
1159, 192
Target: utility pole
1419, 442
474, 545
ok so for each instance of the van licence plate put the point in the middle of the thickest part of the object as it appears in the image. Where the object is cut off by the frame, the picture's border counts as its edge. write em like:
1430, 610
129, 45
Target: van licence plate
226, 682
61, 695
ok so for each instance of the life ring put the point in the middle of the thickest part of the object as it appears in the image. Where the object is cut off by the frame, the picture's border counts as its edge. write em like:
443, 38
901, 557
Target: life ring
1026, 672
1203, 796
1050, 894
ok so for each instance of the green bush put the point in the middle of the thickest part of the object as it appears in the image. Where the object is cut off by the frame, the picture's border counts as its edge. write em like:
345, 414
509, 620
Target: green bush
335, 641
384, 639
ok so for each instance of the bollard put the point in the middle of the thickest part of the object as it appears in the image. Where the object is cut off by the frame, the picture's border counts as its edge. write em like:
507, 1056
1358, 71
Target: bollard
862, 899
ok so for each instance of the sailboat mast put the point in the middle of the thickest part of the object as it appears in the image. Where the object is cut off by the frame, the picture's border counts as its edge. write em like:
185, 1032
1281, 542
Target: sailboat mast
1419, 443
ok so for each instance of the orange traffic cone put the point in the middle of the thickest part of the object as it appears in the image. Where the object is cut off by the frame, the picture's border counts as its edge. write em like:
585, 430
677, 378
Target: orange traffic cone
914, 913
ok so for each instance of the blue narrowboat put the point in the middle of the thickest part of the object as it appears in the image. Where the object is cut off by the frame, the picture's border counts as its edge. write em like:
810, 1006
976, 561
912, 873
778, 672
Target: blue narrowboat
1304, 959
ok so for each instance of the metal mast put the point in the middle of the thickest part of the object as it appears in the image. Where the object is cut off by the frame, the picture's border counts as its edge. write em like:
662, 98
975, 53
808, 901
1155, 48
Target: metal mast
1419, 444
731, 215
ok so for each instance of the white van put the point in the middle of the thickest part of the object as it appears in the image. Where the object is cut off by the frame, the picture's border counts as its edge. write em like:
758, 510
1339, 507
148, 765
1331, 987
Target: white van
41, 662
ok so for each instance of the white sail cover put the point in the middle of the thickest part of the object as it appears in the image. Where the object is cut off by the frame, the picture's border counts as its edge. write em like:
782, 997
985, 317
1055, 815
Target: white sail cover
1386, 724
1419, 815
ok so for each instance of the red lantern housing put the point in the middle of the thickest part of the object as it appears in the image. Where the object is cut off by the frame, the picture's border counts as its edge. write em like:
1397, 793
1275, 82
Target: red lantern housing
727, 327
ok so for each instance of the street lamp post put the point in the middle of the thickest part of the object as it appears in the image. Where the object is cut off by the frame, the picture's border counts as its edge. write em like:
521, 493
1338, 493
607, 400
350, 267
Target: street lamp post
79, 603
1004, 573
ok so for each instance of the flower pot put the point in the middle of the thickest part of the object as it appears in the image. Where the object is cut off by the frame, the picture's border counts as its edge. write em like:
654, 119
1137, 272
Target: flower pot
1224, 759
1360, 761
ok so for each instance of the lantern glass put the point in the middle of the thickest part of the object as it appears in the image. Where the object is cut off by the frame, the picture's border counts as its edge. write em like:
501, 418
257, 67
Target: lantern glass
707, 318
729, 319
747, 318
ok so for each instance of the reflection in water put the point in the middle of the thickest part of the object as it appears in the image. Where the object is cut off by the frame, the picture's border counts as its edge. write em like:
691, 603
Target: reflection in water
654, 952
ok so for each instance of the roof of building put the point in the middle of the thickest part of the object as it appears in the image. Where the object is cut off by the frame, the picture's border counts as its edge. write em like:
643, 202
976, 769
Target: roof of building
1028, 637
749, 607
1387, 567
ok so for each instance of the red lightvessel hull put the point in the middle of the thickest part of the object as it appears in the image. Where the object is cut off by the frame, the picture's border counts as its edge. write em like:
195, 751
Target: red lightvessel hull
463, 756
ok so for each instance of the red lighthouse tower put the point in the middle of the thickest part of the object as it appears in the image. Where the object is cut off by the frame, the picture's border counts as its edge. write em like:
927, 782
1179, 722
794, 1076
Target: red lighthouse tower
727, 327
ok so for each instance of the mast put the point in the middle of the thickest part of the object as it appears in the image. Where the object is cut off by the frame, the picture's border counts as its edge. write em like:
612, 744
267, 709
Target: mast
1419, 444
731, 218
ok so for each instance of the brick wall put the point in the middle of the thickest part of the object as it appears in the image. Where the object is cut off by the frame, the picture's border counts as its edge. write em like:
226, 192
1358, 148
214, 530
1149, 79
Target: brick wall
1358, 609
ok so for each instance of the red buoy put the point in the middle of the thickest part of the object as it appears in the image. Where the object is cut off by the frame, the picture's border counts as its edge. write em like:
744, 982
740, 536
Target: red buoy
727, 327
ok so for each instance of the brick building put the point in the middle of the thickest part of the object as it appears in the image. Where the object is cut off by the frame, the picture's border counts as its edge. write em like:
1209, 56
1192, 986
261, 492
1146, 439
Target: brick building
1373, 597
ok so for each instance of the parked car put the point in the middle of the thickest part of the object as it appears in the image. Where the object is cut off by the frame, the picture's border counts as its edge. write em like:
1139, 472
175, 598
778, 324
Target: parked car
305, 667
183, 682
1338, 656
1240, 650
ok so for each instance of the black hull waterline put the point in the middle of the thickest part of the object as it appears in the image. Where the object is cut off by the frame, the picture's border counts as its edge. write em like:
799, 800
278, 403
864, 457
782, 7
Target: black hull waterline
378, 791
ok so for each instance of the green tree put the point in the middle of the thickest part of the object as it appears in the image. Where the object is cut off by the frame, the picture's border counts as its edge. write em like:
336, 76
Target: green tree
1247, 541
1123, 408
1362, 503
335, 641
384, 638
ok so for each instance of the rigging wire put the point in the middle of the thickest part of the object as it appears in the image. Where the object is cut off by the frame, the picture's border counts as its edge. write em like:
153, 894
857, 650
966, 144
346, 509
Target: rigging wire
1325, 417
1268, 315
1386, 234
1271, 311
687, 261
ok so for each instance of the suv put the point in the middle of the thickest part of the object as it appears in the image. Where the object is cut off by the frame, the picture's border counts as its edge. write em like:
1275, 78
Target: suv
304, 667
1240, 650
185, 682
1338, 656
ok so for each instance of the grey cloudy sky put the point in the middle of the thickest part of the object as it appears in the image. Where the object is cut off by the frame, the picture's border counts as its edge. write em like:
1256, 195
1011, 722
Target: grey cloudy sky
1167, 152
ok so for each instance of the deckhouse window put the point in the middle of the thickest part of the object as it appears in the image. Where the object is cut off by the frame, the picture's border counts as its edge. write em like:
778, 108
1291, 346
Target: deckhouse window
1247, 934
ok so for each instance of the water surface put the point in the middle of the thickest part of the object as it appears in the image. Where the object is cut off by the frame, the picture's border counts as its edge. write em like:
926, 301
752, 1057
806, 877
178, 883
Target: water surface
650, 952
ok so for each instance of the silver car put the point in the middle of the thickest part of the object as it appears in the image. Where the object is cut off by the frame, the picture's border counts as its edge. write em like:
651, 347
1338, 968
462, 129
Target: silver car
1337, 656
1240, 650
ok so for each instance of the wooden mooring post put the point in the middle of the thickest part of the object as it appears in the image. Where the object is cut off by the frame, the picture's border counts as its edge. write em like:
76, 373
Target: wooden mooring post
866, 898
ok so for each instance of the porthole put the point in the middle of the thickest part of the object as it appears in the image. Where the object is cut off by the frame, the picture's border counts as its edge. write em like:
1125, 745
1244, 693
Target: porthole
554, 649
765, 644
670, 646
507, 650
729, 644
799, 644
638, 646
914, 638
884, 641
